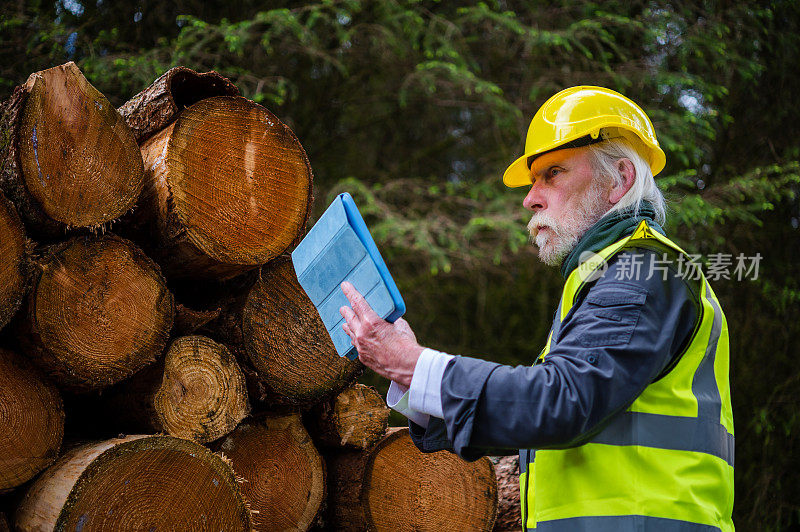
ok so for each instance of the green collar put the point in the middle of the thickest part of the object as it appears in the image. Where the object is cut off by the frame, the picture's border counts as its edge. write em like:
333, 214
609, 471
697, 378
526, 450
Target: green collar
606, 231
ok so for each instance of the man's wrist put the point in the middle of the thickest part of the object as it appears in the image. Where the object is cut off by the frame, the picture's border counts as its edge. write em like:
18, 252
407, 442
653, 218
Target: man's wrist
407, 373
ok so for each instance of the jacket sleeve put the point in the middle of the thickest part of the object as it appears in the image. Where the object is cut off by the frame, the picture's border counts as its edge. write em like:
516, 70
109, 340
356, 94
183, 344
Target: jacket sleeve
431, 438
615, 341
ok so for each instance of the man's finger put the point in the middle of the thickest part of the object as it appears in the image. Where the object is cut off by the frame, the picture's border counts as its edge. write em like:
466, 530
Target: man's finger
350, 317
359, 304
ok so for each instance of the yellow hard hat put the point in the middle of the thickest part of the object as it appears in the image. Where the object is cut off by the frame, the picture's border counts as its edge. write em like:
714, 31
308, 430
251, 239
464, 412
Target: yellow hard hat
580, 116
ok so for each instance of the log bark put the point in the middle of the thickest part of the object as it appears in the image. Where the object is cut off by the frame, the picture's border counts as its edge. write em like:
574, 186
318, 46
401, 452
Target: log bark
14, 250
159, 104
345, 477
68, 157
189, 320
32, 421
287, 343
136, 483
197, 392
357, 417
283, 472
97, 312
228, 188
394, 486
509, 515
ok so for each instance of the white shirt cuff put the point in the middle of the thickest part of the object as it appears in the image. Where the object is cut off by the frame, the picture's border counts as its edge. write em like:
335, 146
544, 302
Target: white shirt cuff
426, 383
397, 399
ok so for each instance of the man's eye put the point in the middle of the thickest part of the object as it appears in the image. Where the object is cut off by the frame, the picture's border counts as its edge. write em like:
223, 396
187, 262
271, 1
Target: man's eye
553, 172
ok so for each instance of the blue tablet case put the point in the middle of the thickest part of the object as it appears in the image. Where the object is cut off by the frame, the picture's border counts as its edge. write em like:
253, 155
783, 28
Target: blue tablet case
339, 248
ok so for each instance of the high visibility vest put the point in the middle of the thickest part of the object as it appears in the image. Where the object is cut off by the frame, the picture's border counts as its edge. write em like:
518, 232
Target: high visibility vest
664, 464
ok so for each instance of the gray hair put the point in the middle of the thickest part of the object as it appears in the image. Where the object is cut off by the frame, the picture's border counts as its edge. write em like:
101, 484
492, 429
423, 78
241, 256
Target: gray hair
604, 158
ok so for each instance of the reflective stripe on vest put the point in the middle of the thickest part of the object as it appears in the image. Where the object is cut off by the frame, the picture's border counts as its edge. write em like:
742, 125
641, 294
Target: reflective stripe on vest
628, 523
664, 464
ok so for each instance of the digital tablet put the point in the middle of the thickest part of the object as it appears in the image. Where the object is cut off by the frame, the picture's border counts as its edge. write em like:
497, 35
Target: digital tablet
340, 248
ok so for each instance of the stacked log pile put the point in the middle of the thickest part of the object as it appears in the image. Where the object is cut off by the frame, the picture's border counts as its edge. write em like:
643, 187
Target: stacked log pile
160, 366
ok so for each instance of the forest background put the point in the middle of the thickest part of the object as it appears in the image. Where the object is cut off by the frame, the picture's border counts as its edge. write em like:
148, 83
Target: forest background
416, 108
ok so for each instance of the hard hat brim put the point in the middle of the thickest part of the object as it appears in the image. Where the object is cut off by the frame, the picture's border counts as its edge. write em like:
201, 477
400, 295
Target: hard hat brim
517, 174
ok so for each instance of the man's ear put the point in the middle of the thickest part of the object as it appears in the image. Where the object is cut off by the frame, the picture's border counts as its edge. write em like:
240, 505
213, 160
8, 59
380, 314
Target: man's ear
627, 174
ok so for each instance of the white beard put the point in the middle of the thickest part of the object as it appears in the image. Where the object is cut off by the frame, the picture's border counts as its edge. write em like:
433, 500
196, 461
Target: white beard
561, 236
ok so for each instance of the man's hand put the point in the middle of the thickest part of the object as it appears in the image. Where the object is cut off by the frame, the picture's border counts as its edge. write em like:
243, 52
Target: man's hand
390, 349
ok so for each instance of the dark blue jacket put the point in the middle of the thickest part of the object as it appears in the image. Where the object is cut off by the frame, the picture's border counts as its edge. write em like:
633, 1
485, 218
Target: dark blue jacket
621, 335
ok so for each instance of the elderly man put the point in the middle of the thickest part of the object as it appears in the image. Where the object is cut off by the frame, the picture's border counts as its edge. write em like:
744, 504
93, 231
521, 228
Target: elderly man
623, 422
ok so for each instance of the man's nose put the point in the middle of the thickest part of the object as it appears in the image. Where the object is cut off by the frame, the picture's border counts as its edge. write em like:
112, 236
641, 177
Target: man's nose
534, 201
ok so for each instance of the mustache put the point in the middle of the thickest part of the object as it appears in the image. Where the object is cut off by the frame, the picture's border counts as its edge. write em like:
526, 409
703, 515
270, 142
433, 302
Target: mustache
541, 219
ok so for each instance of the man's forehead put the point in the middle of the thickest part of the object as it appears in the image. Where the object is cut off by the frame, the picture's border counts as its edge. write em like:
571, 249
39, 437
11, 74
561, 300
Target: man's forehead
546, 160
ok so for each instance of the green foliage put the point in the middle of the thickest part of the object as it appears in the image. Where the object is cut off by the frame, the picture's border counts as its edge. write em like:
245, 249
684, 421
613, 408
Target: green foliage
742, 199
440, 224
416, 108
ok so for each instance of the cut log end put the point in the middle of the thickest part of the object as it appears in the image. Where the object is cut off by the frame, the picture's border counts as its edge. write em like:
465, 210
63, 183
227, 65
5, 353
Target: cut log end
14, 266
203, 395
32, 421
361, 416
98, 311
136, 483
79, 160
437, 491
286, 341
230, 185
393, 486
357, 417
284, 474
